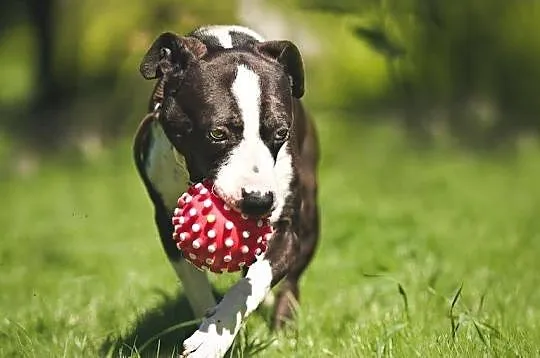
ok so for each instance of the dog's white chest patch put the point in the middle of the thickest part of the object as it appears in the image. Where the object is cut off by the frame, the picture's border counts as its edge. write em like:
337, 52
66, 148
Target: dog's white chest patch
166, 168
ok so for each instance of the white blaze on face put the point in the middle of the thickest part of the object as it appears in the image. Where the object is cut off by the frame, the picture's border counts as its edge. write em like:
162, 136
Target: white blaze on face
250, 165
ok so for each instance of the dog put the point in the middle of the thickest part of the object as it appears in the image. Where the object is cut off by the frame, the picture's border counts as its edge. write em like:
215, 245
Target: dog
227, 106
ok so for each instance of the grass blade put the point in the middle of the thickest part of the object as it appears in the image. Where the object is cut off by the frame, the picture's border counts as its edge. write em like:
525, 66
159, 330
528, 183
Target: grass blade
480, 334
373, 275
451, 314
481, 303
496, 333
456, 297
168, 330
405, 300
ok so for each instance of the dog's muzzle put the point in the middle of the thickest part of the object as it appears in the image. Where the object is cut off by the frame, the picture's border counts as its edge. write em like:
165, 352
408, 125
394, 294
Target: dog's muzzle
255, 203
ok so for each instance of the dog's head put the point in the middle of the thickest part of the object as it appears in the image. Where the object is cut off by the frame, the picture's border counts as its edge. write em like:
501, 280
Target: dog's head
230, 113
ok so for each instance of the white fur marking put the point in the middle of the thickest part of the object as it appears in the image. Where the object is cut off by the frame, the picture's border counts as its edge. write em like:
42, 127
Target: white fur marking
217, 332
222, 33
167, 171
247, 92
237, 173
246, 30
283, 171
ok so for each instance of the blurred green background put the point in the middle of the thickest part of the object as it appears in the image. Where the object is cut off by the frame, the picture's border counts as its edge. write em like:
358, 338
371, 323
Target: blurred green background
428, 121
467, 69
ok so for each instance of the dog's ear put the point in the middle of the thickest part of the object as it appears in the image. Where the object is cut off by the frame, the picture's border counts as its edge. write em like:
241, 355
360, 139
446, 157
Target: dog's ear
287, 54
168, 53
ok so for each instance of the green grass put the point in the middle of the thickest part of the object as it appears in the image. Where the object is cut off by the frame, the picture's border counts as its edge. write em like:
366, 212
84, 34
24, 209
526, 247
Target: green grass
83, 274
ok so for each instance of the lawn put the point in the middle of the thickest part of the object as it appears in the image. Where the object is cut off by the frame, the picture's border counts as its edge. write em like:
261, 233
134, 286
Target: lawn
424, 253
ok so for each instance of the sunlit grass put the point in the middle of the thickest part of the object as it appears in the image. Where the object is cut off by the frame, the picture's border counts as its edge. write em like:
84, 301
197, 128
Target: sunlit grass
423, 254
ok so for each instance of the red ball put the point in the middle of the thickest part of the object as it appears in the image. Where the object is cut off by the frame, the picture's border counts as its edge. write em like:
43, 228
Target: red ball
214, 237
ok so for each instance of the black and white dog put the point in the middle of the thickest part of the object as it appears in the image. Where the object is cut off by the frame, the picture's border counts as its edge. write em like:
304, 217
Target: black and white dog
227, 107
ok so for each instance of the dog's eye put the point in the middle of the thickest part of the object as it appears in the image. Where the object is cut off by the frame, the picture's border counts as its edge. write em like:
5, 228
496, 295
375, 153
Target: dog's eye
217, 134
281, 134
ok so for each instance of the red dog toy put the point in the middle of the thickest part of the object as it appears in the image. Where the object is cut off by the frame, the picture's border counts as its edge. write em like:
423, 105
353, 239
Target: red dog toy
214, 237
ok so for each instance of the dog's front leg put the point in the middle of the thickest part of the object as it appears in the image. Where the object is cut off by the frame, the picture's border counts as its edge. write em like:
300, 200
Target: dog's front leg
217, 332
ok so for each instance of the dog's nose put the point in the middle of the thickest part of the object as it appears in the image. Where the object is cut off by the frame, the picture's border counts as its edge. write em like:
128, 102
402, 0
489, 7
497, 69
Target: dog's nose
256, 203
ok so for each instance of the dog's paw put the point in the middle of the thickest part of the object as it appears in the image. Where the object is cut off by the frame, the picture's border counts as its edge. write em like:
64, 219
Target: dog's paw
211, 340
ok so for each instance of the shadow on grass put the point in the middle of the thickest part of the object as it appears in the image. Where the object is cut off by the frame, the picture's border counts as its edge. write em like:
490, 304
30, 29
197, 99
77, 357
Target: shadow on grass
157, 332
160, 331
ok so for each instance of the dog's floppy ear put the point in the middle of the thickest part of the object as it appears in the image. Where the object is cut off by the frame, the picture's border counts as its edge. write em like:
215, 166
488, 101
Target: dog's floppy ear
286, 53
170, 52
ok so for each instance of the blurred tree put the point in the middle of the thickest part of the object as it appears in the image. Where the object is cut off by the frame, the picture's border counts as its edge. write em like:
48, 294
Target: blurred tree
470, 66
51, 91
